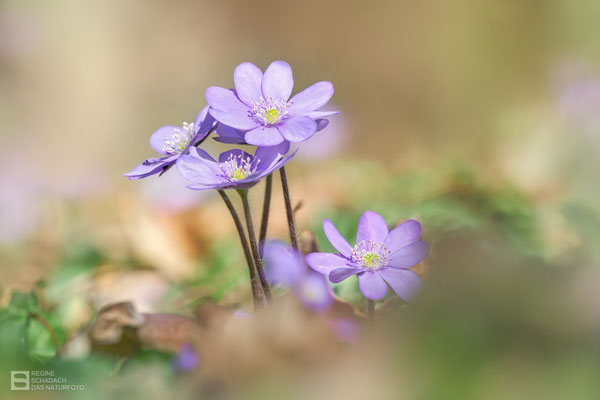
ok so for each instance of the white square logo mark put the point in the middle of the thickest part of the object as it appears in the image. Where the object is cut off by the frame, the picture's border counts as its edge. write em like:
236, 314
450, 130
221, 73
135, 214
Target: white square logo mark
19, 380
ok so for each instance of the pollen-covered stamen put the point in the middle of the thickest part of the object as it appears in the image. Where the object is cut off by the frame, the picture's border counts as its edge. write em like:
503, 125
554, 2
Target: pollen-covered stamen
179, 140
269, 111
237, 168
370, 254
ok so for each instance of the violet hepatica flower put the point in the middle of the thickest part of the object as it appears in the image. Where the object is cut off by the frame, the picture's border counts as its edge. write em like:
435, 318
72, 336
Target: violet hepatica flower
379, 257
186, 359
173, 141
261, 106
284, 266
235, 168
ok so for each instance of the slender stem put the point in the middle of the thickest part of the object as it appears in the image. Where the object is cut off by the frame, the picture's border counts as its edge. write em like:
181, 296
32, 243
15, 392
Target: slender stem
265, 213
257, 291
48, 328
371, 310
288, 208
254, 245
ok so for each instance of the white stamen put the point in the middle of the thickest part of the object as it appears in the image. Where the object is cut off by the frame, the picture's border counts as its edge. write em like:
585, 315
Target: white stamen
371, 254
179, 140
237, 168
269, 111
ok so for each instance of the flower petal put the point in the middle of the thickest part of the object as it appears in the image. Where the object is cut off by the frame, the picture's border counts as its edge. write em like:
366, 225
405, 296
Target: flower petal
248, 79
402, 235
229, 140
409, 255
266, 156
405, 282
199, 153
224, 100
228, 134
276, 166
371, 226
203, 123
235, 120
298, 128
201, 117
372, 285
283, 265
225, 107
235, 153
312, 98
324, 263
263, 136
157, 140
340, 274
223, 185
149, 167
336, 239
321, 124
199, 170
314, 292
278, 81
321, 114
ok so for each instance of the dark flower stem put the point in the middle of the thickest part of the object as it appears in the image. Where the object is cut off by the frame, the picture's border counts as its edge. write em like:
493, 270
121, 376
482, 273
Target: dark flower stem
265, 212
257, 291
371, 310
288, 208
254, 246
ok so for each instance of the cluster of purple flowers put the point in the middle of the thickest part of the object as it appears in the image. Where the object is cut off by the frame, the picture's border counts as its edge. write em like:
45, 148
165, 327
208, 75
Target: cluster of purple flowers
261, 111
257, 112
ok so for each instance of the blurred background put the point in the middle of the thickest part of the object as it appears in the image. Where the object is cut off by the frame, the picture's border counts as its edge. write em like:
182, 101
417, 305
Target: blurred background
481, 119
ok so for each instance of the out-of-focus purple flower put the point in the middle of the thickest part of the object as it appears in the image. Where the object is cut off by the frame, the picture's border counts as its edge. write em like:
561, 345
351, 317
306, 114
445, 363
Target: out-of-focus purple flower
285, 266
20, 207
579, 97
379, 257
235, 168
345, 329
173, 141
327, 144
261, 106
314, 292
187, 359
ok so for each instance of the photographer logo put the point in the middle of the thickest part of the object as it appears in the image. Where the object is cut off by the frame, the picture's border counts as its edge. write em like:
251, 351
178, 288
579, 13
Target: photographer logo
19, 380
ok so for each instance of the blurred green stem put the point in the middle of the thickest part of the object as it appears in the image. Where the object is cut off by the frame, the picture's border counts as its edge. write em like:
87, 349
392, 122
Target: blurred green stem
371, 310
254, 246
288, 208
265, 212
257, 291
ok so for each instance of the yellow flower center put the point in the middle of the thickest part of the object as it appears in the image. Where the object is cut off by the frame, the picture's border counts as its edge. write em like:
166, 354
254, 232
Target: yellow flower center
271, 115
371, 259
239, 174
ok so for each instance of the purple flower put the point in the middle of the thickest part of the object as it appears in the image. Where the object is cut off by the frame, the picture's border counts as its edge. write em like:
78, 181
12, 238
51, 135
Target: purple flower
345, 329
173, 141
187, 359
261, 106
235, 168
229, 135
379, 257
285, 266
325, 146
